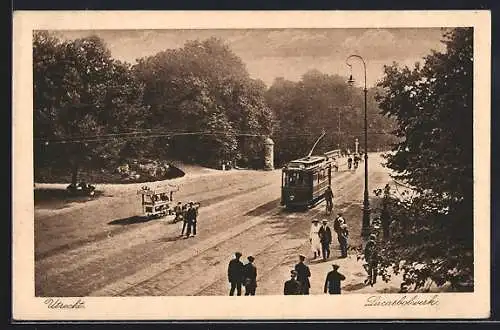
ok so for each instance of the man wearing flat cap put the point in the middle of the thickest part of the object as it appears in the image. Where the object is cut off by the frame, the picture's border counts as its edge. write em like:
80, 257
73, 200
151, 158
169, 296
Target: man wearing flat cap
235, 274
303, 274
371, 257
250, 272
333, 279
292, 286
325, 236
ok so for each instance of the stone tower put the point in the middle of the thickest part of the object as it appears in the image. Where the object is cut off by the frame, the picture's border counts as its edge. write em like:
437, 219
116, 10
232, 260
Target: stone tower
268, 154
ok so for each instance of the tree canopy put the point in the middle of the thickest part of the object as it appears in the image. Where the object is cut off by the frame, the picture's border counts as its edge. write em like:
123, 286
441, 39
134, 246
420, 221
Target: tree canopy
81, 97
205, 88
321, 101
432, 105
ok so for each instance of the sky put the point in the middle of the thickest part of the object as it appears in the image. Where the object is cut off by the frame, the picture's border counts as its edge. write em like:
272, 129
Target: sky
287, 53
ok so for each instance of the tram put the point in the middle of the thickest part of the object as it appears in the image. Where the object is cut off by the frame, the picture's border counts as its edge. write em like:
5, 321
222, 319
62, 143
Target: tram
304, 180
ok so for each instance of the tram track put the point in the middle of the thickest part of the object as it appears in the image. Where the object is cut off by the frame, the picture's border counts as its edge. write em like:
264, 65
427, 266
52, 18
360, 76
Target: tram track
123, 229
276, 263
103, 262
248, 229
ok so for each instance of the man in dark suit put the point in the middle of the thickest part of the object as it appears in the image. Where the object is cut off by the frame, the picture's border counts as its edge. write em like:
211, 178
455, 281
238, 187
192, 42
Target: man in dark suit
333, 279
303, 274
250, 272
191, 216
329, 199
235, 274
292, 286
371, 257
325, 236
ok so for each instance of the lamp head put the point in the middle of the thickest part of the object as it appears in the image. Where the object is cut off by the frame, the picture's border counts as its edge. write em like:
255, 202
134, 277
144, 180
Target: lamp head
350, 81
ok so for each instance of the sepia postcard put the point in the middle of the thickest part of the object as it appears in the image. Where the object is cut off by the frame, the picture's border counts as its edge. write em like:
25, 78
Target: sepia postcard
205, 165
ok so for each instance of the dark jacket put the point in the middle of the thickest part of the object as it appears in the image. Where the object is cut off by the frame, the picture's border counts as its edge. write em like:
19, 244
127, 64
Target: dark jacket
292, 287
370, 252
325, 235
250, 274
235, 271
332, 282
191, 214
328, 194
303, 274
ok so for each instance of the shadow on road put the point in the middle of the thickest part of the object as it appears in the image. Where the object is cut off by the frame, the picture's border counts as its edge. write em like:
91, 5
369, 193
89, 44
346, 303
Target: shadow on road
130, 220
169, 239
263, 208
54, 198
354, 287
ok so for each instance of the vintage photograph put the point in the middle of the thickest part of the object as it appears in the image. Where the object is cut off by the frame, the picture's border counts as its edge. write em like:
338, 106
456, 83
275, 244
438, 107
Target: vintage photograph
254, 162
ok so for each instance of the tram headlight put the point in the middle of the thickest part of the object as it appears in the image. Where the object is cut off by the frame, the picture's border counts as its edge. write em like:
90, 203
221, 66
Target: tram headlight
291, 197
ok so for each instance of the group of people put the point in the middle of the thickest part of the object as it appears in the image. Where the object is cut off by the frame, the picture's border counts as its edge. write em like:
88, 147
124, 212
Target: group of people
188, 214
299, 283
350, 159
240, 274
245, 275
320, 237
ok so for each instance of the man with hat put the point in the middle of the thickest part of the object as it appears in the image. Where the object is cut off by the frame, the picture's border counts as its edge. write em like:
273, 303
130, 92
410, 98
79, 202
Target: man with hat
292, 286
191, 220
337, 227
325, 236
333, 279
178, 212
185, 223
250, 272
235, 274
371, 257
314, 238
344, 235
303, 274
328, 199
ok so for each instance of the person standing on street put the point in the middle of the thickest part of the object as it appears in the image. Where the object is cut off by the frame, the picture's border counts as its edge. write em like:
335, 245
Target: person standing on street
185, 223
329, 200
250, 272
337, 223
343, 237
349, 162
371, 257
292, 286
314, 238
333, 279
303, 274
325, 236
191, 218
178, 212
235, 274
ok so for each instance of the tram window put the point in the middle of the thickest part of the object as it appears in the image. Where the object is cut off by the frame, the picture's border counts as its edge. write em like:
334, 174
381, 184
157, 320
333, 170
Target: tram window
295, 179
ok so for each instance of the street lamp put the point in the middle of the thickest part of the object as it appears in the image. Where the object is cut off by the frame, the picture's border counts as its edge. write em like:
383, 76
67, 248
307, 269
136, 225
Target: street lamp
365, 230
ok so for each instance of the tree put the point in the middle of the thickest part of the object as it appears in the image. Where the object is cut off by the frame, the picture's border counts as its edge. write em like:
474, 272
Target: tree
197, 88
432, 105
81, 97
321, 101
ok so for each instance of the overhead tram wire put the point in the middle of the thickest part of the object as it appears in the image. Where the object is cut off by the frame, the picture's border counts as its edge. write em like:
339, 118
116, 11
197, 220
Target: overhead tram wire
157, 133
127, 136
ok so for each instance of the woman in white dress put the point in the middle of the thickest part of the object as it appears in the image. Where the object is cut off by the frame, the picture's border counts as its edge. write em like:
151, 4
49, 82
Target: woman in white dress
314, 239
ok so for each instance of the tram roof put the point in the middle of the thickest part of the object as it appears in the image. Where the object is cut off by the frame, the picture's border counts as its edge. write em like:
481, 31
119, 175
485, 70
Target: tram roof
306, 162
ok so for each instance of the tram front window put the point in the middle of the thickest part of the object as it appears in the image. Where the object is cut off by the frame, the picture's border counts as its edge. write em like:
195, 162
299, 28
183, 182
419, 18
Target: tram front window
295, 179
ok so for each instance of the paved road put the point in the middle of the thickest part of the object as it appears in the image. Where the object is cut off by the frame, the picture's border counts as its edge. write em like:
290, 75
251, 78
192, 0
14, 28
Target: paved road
101, 248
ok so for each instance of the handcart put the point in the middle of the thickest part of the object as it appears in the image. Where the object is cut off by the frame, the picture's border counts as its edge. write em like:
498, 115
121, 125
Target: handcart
157, 202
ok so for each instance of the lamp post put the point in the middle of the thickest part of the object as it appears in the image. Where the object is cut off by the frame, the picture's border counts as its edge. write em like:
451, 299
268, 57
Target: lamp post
365, 230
